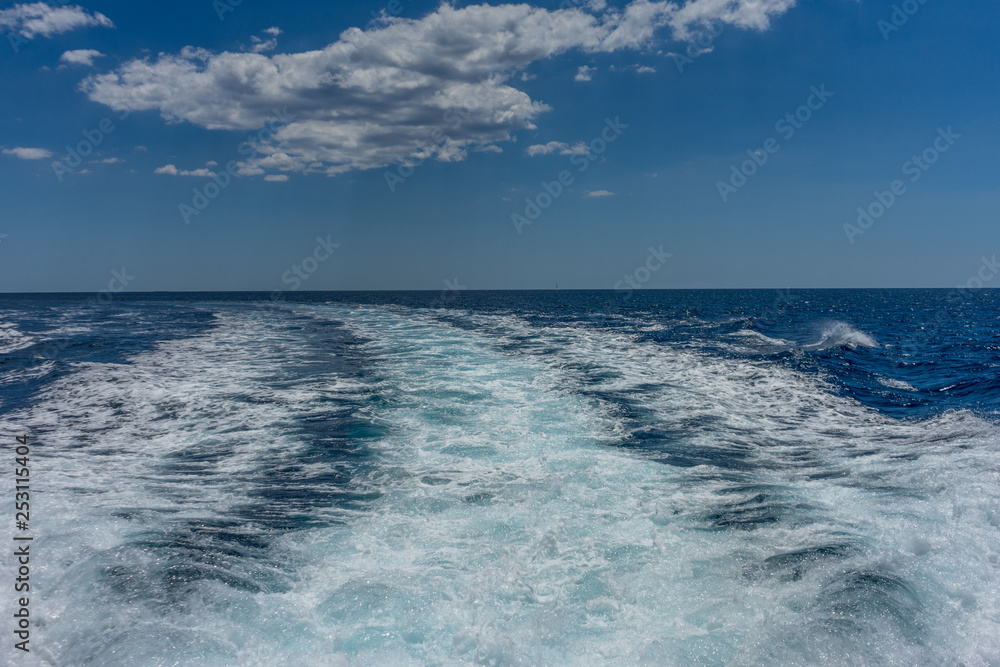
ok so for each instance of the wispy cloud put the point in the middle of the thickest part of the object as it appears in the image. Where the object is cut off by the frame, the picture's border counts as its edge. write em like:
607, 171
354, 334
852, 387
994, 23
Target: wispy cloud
749, 14
584, 73
260, 45
28, 153
579, 148
80, 57
171, 170
278, 178
600, 193
36, 19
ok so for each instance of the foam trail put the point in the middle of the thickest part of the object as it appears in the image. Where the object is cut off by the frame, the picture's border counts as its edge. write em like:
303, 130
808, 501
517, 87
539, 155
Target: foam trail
165, 482
528, 495
519, 533
831, 510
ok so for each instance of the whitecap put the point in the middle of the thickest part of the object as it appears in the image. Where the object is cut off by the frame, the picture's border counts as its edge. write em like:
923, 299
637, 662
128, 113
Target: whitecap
840, 334
896, 384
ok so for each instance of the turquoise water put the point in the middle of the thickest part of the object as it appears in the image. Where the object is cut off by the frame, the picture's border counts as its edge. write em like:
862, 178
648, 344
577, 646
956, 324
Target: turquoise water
679, 478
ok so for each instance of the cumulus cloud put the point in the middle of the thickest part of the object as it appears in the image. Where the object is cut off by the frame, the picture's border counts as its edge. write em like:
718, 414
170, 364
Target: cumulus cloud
35, 19
643, 69
277, 178
28, 153
429, 88
600, 193
584, 73
171, 170
80, 57
579, 148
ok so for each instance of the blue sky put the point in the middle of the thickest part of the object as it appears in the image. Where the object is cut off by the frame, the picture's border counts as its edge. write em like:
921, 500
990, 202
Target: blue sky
319, 113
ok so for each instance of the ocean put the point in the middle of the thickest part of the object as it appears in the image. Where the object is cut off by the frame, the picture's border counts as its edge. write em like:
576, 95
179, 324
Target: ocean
508, 478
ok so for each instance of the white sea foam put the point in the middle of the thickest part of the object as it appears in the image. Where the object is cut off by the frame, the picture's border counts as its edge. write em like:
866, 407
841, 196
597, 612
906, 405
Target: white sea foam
759, 339
136, 465
840, 334
893, 383
524, 516
12, 339
604, 557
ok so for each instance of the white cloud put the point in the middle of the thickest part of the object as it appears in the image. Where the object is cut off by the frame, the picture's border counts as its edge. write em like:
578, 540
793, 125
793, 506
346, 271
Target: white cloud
80, 57
643, 69
635, 26
278, 178
171, 170
752, 14
28, 153
201, 173
600, 193
40, 19
262, 45
435, 87
111, 160
584, 73
579, 148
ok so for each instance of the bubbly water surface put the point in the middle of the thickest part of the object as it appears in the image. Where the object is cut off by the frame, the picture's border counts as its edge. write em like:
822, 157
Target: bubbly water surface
675, 478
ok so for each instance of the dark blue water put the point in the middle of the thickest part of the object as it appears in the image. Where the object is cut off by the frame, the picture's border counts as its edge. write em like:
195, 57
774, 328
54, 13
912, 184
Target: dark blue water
945, 344
675, 477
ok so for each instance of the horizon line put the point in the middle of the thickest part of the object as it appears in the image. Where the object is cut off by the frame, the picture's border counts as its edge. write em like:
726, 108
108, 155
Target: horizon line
286, 294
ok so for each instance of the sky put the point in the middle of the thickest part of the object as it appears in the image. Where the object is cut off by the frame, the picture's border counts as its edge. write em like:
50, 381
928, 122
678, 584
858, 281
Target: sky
406, 144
